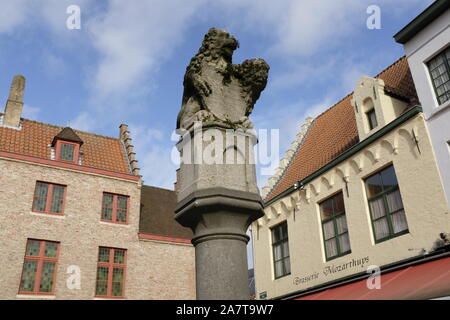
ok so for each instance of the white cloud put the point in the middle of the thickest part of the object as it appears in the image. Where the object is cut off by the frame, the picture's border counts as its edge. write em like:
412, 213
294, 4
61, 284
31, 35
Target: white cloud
84, 121
132, 40
12, 14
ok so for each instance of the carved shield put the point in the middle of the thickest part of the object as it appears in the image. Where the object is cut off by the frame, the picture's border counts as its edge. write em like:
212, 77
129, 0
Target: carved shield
225, 101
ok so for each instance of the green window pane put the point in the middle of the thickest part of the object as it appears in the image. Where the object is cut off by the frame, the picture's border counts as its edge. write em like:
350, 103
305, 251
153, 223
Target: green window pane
107, 206
118, 275
67, 152
48, 269
117, 288
119, 256
40, 197
102, 273
33, 248
121, 209
57, 199
121, 216
28, 276
101, 289
51, 249
103, 255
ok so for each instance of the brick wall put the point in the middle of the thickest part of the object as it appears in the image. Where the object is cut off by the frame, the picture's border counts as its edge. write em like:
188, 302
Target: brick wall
155, 270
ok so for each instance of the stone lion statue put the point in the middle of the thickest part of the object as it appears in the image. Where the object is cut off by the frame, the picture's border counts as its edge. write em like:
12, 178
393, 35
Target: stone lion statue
218, 92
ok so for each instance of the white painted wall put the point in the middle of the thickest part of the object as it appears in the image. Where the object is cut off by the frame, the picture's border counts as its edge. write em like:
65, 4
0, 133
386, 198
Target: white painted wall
419, 50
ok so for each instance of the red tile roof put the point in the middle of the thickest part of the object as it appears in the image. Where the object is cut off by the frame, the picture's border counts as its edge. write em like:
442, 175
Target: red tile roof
335, 131
34, 138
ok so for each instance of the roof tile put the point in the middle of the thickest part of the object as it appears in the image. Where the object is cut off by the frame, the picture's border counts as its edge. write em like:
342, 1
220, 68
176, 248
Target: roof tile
335, 130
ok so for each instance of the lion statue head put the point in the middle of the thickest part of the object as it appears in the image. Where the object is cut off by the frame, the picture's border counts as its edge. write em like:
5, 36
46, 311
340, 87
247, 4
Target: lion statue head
217, 44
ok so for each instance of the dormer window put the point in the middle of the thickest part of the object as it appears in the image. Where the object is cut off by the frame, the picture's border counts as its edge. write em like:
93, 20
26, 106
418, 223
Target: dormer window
372, 119
439, 68
67, 151
67, 146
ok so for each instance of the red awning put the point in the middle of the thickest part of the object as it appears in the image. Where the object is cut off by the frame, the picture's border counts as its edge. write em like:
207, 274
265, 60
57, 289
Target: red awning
423, 281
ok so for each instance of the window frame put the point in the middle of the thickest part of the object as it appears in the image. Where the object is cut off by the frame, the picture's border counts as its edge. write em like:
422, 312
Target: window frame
41, 259
111, 265
48, 201
334, 219
280, 243
114, 208
447, 67
76, 151
369, 120
388, 214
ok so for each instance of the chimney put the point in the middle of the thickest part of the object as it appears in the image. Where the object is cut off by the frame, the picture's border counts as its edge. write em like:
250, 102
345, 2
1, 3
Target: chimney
14, 105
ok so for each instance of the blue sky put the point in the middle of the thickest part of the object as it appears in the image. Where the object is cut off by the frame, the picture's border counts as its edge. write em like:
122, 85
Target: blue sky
127, 62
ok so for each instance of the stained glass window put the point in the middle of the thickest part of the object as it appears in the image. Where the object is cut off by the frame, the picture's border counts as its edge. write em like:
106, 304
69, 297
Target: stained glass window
39, 267
385, 204
114, 208
48, 198
67, 152
110, 272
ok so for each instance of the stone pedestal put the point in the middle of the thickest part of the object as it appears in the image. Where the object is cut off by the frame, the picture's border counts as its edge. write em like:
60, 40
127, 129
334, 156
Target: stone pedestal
219, 218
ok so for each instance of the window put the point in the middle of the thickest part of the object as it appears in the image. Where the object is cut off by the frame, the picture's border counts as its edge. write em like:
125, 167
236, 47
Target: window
280, 247
114, 208
39, 267
385, 204
372, 119
110, 273
67, 151
334, 227
439, 68
49, 198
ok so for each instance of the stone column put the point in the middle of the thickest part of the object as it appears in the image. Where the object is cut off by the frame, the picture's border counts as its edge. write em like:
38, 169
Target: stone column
218, 197
219, 206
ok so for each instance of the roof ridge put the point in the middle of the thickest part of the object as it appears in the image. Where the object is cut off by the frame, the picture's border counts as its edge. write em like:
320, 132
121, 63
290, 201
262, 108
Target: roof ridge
76, 130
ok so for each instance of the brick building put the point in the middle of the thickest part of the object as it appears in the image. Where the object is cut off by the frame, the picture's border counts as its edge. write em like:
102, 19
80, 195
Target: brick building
76, 221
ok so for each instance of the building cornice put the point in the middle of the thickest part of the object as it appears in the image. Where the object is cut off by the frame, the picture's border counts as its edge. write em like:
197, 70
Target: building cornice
422, 20
67, 166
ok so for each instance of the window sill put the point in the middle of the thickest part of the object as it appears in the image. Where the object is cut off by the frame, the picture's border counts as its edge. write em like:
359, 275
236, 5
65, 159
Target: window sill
392, 237
109, 298
444, 106
338, 256
49, 215
110, 223
281, 277
35, 296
